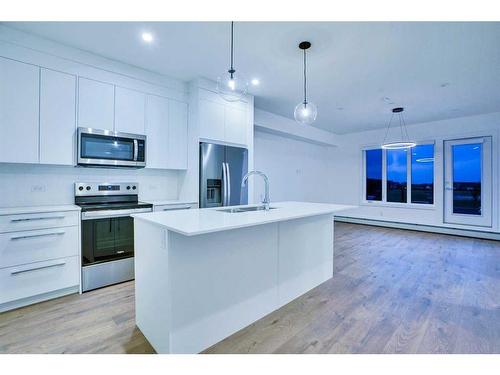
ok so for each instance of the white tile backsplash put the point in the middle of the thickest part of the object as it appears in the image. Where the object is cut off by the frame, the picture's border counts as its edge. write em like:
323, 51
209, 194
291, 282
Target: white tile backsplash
32, 185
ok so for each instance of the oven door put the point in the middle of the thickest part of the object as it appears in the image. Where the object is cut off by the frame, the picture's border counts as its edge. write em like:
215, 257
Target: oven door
106, 148
107, 239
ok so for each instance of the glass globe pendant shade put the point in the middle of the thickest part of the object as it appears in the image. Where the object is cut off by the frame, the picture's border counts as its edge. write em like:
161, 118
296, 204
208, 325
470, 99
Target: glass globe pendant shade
232, 87
305, 113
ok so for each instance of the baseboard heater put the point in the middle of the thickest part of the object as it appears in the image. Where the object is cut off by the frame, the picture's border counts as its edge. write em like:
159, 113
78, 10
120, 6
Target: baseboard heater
422, 227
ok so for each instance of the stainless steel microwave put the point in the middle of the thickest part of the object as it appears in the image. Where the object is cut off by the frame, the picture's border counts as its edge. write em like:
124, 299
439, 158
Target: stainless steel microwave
106, 148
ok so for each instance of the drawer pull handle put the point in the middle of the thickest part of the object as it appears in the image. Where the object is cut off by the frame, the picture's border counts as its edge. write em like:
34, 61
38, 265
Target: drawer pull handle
14, 238
37, 218
17, 272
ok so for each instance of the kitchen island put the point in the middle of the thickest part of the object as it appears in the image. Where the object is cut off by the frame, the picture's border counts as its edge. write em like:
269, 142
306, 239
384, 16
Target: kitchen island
203, 274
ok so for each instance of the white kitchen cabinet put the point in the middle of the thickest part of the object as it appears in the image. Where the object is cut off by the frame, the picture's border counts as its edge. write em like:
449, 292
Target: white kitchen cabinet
129, 111
235, 125
39, 256
211, 120
96, 104
177, 135
19, 111
57, 117
157, 110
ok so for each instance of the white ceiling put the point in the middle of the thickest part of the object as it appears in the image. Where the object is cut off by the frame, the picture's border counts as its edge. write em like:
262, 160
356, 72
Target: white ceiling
357, 71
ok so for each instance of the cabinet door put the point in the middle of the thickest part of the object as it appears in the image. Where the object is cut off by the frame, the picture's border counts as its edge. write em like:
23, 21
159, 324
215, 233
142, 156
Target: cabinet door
57, 117
157, 132
211, 120
129, 111
96, 104
236, 125
19, 110
177, 135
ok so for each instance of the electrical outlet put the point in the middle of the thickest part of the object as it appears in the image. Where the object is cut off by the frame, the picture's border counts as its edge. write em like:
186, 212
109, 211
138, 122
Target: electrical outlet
38, 188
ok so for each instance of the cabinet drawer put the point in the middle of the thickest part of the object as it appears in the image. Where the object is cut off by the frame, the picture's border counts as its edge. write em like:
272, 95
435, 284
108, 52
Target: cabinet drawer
37, 245
172, 207
13, 223
38, 278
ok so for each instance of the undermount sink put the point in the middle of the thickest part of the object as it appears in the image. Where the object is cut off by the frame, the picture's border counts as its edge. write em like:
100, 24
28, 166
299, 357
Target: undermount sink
235, 210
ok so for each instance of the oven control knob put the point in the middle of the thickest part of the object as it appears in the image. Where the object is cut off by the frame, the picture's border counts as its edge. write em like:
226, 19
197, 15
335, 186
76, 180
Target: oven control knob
133, 187
80, 188
88, 188
128, 187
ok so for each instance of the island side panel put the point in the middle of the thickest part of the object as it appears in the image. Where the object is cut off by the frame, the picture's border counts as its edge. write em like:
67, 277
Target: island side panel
152, 301
221, 282
305, 255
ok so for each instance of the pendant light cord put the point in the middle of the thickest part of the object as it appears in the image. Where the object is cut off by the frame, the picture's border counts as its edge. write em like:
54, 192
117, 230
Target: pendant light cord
231, 70
305, 79
388, 127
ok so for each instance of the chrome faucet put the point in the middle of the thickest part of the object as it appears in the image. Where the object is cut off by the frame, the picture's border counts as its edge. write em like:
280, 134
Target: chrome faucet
266, 200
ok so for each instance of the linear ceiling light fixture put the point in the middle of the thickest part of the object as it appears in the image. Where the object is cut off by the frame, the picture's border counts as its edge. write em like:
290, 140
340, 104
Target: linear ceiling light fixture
404, 142
232, 87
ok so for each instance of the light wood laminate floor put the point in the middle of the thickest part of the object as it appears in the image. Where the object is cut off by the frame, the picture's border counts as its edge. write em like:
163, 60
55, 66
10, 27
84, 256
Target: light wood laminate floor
394, 291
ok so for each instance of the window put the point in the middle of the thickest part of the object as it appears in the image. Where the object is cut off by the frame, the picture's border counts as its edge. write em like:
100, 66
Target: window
467, 179
422, 174
396, 176
400, 176
373, 175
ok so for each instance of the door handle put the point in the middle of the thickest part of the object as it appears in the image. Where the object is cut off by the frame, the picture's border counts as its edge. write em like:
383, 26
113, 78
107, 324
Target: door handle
136, 150
228, 184
224, 185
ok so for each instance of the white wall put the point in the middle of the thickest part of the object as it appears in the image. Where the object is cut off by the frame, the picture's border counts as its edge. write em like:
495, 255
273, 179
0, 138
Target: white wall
297, 170
348, 166
33, 185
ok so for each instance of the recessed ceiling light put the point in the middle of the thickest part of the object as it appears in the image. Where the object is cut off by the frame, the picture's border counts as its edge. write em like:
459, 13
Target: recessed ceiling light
255, 82
147, 37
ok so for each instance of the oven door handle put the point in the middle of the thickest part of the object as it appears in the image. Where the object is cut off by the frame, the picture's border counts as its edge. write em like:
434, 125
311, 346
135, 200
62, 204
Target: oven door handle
104, 214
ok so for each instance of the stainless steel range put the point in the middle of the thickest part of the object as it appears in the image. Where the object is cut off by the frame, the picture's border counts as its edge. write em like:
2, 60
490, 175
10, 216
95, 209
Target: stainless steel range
108, 231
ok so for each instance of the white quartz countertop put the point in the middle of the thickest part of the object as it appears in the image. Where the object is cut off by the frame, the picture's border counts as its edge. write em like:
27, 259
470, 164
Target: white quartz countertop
37, 209
200, 221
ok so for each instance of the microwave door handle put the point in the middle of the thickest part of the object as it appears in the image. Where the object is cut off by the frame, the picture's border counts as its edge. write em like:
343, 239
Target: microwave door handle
136, 150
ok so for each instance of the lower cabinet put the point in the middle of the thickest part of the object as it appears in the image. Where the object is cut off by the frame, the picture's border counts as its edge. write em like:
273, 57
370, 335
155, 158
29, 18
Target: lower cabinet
39, 260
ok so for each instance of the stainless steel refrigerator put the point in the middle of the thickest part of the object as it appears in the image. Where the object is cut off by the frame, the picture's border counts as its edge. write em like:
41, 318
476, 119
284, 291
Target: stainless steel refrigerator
221, 171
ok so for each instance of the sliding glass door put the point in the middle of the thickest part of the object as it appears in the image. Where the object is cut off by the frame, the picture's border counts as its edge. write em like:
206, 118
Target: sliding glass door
468, 179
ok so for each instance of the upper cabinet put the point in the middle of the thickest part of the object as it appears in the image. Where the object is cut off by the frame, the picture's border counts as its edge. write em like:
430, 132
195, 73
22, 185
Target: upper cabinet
41, 108
235, 121
96, 104
129, 111
156, 132
19, 111
177, 135
211, 119
220, 121
57, 117
166, 131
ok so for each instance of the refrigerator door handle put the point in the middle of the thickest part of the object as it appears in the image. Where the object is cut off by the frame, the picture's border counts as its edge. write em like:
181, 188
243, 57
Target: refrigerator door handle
224, 188
228, 185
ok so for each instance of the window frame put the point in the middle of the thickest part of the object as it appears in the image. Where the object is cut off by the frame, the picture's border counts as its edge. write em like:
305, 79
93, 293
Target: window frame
383, 202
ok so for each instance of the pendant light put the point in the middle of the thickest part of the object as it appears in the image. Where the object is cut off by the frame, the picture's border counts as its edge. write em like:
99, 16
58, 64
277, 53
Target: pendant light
232, 87
404, 141
305, 112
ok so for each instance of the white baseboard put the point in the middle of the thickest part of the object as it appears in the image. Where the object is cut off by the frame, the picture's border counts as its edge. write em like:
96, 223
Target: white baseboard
421, 227
38, 298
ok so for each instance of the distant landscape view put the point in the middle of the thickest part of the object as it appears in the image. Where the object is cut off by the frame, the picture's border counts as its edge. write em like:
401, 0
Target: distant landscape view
467, 179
